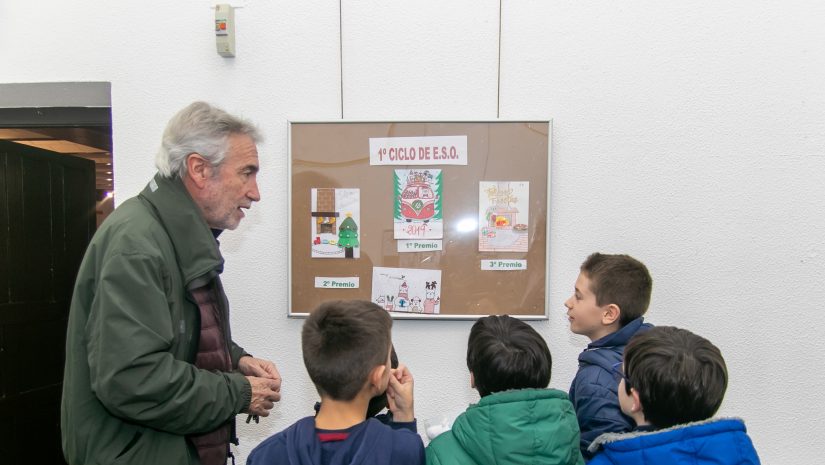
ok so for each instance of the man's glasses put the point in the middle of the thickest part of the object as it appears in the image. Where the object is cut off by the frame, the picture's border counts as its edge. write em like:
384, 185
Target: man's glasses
618, 373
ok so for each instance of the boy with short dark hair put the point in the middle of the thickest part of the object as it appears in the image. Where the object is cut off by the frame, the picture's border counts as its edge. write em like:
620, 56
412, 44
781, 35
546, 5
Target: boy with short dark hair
518, 419
346, 347
380, 402
671, 383
611, 294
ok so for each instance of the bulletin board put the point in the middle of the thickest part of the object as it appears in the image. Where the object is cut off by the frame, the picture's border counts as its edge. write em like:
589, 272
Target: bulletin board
430, 220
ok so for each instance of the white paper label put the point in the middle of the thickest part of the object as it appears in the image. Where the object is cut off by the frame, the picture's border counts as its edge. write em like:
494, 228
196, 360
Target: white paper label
336, 283
433, 150
418, 245
503, 265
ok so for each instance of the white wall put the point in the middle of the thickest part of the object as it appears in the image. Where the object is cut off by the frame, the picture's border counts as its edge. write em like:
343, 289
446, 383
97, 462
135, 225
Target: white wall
688, 134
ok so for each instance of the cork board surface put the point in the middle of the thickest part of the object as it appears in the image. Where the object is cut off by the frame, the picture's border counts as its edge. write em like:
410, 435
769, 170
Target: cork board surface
336, 155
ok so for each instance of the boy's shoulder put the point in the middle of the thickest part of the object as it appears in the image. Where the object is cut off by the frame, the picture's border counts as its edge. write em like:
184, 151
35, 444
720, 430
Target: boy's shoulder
715, 440
379, 444
406, 444
511, 420
595, 377
444, 448
274, 448
622, 336
383, 444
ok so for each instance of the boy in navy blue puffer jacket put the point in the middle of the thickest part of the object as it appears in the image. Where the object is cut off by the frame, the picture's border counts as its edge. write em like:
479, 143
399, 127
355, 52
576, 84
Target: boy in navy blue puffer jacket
611, 294
346, 347
671, 383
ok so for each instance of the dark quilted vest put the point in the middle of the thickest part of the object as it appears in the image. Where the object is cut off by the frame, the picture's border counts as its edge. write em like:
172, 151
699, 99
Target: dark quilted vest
213, 354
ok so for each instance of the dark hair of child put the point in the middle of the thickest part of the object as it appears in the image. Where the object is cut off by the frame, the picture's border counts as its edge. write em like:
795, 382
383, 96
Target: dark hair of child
342, 342
680, 377
506, 353
620, 280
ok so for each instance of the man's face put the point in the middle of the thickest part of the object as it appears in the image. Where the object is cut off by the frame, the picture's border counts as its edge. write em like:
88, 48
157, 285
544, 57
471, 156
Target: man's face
233, 185
584, 314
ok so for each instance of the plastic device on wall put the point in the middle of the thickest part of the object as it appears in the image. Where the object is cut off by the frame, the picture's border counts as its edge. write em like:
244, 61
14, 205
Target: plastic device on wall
225, 29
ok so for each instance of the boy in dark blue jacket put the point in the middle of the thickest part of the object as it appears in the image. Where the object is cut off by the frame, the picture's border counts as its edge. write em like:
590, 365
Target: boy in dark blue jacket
611, 294
346, 347
671, 383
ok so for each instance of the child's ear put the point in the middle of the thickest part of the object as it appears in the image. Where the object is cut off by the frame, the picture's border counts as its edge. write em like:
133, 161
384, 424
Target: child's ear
472, 380
611, 314
637, 404
377, 378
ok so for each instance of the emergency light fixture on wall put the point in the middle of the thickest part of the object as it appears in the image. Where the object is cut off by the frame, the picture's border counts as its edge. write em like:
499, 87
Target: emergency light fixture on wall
225, 29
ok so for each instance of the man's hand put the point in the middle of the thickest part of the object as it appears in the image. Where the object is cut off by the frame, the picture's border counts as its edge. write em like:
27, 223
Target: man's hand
265, 392
400, 395
251, 366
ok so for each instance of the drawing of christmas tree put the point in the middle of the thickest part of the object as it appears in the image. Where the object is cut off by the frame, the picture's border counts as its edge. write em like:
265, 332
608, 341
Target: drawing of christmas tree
348, 235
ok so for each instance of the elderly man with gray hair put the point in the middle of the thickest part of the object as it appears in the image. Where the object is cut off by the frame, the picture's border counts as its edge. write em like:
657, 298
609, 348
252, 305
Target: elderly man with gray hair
152, 373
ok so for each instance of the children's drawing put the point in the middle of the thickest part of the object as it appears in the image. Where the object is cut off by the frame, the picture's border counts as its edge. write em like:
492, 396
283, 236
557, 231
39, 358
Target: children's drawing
433, 297
407, 290
415, 305
336, 214
418, 213
503, 213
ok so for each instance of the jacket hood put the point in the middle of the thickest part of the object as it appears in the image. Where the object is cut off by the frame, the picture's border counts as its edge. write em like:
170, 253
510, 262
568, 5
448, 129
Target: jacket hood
520, 426
304, 448
604, 352
717, 440
195, 245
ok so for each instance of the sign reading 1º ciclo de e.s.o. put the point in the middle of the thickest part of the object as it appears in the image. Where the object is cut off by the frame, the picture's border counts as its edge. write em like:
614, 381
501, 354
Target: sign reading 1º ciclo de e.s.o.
432, 150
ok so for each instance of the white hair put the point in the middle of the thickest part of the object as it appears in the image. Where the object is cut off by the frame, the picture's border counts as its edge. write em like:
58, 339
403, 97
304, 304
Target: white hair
203, 129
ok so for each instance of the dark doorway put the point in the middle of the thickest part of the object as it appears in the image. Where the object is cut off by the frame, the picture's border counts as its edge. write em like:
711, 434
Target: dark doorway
47, 217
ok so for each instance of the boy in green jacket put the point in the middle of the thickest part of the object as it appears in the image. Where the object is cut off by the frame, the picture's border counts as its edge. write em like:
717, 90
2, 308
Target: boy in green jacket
518, 419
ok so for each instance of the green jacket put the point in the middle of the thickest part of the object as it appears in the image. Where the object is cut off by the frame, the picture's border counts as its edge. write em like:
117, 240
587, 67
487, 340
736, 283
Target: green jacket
525, 426
130, 391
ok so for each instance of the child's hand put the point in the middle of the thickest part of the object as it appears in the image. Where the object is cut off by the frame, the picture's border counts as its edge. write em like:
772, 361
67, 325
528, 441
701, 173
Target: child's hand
400, 395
